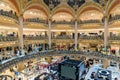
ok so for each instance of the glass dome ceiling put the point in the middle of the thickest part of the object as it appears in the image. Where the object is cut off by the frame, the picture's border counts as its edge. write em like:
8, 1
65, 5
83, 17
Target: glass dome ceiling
69, 2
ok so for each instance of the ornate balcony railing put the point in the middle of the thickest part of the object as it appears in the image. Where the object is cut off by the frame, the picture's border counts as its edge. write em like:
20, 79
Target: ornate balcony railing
114, 38
63, 37
16, 60
35, 37
90, 22
91, 37
10, 14
116, 17
35, 20
8, 38
12, 38
63, 22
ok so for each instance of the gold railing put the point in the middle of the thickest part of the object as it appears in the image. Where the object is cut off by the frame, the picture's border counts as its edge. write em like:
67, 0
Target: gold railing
35, 37
8, 38
10, 14
90, 22
91, 37
12, 38
35, 20
17, 60
114, 18
63, 22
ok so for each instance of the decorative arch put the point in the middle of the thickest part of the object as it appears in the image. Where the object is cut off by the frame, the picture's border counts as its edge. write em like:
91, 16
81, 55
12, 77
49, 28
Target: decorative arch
63, 8
39, 6
112, 5
89, 6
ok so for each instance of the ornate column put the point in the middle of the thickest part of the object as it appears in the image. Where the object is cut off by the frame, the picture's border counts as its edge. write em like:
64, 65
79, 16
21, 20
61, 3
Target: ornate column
104, 4
106, 33
21, 33
76, 34
43, 46
49, 33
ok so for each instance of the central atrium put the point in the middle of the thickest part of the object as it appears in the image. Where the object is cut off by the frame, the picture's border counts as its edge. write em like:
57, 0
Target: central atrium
59, 39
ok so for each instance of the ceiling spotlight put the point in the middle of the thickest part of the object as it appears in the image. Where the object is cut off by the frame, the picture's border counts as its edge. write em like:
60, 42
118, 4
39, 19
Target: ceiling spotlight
2, 4
92, 14
31, 12
61, 16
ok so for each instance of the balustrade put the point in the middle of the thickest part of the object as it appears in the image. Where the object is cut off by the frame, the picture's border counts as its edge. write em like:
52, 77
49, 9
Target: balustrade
49, 53
63, 37
63, 22
35, 37
10, 14
12, 38
35, 20
89, 21
91, 37
116, 17
114, 38
8, 38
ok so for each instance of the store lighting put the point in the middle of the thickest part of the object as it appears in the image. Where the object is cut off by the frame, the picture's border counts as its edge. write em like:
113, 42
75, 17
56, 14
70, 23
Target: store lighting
62, 30
114, 28
28, 29
2, 4
91, 29
43, 33
31, 12
7, 7
92, 14
61, 16
4, 27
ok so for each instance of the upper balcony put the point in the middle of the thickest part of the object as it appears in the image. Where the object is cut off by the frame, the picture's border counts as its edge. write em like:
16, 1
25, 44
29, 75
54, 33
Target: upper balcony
91, 37
35, 20
8, 38
90, 22
63, 37
114, 38
35, 37
12, 16
63, 22
35, 23
114, 18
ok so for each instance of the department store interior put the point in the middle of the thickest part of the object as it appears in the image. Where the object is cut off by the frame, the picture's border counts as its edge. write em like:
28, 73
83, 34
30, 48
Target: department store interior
47, 39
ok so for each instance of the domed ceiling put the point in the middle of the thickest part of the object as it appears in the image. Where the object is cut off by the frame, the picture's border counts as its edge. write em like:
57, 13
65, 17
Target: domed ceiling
71, 3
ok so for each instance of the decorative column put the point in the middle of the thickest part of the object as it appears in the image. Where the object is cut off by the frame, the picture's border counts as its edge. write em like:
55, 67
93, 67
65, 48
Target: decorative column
49, 33
76, 34
21, 33
106, 33
43, 46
